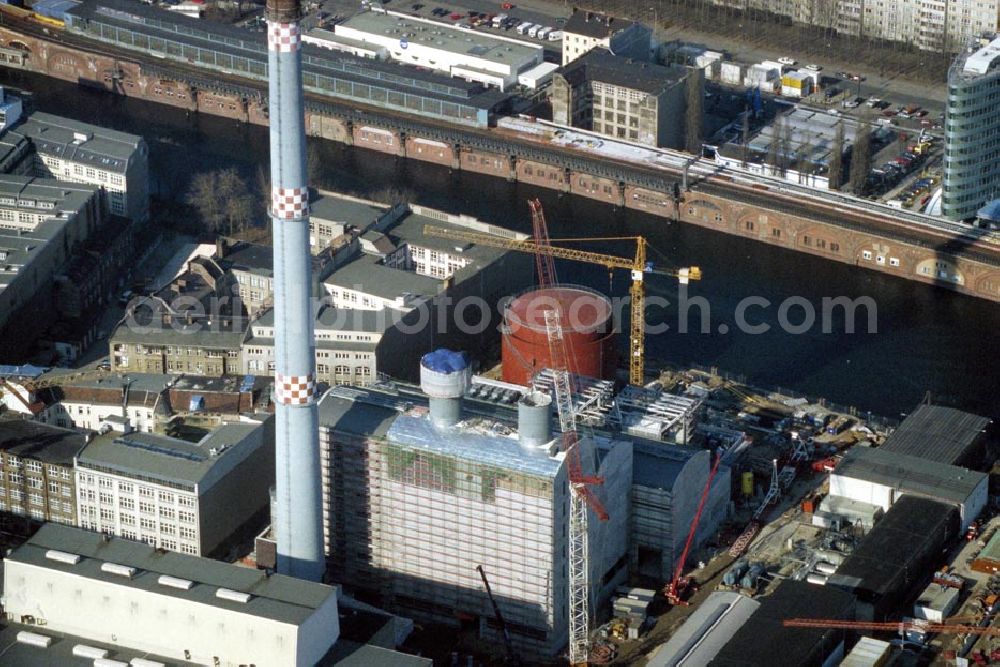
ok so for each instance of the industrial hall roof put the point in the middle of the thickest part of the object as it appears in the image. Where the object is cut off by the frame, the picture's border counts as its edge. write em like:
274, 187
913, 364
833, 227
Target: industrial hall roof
939, 434
910, 474
275, 597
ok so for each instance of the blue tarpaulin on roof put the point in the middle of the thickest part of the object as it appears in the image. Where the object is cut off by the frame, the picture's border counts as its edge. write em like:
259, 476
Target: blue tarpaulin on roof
55, 9
445, 361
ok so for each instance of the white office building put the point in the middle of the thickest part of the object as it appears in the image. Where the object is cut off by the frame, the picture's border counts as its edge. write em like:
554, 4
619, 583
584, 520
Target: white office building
115, 598
587, 30
488, 59
173, 494
118, 162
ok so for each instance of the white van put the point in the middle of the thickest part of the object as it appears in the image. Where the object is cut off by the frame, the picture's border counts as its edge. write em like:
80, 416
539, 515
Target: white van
523, 28
533, 30
544, 33
555, 35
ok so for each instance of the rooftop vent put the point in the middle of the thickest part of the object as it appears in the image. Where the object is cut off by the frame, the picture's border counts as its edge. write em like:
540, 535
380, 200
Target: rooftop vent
175, 582
62, 557
230, 594
143, 662
80, 137
33, 639
120, 570
92, 652
108, 662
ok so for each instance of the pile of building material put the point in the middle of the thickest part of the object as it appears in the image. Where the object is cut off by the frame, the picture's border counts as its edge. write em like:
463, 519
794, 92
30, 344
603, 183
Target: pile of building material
630, 605
868, 652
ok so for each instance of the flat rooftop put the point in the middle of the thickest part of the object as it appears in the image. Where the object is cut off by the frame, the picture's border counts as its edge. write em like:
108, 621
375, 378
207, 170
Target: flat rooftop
69, 139
275, 597
28, 439
346, 210
167, 459
367, 274
983, 60
19, 250
439, 36
910, 474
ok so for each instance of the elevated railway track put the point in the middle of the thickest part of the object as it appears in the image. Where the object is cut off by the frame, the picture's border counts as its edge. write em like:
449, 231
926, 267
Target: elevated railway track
831, 225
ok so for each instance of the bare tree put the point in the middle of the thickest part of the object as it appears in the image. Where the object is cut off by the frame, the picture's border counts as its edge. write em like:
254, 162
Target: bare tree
203, 196
861, 159
836, 174
694, 113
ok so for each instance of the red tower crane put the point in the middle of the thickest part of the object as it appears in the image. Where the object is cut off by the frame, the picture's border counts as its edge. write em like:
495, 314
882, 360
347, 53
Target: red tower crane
680, 586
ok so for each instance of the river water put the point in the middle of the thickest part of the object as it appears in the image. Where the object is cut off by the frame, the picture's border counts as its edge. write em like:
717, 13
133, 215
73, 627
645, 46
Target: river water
926, 338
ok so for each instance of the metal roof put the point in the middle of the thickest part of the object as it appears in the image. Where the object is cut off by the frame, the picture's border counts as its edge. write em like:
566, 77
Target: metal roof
937, 433
763, 640
706, 631
336, 207
276, 597
910, 474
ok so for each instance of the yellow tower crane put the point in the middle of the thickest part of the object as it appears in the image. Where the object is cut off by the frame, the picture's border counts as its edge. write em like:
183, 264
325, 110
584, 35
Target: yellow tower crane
636, 265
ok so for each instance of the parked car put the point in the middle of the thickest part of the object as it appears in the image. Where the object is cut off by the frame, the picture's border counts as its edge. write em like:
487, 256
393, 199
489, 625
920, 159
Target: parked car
785, 60
831, 92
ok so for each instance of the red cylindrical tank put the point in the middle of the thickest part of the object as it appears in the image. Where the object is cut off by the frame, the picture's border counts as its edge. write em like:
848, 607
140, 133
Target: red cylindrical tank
588, 327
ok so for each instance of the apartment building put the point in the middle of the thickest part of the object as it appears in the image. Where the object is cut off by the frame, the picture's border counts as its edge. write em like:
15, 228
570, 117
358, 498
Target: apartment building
624, 99
198, 349
41, 220
192, 497
332, 215
36, 470
972, 131
76, 152
586, 30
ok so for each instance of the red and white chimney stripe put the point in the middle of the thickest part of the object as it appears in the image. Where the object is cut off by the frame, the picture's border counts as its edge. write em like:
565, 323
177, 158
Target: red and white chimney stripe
294, 389
283, 37
289, 203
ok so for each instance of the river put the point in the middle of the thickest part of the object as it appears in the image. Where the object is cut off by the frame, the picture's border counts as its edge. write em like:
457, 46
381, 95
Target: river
926, 339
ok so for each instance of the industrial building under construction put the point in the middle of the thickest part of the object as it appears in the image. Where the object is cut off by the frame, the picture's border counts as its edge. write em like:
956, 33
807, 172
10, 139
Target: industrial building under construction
416, 499
422, 485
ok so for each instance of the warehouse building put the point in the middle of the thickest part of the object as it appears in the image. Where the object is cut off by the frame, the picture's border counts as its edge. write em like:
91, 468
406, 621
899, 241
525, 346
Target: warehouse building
76, 152
415, 499
764, 640
709, 628
36, 475
586, 30
475, 56
942, 435
189, 496
882, 478
897, 558
621, 98
228, 49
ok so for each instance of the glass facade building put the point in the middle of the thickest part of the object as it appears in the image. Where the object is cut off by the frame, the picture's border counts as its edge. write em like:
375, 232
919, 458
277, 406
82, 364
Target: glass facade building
972, 131
240, 52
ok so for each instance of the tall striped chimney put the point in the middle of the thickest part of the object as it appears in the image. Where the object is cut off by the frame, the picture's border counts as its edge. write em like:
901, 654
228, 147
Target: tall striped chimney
298, 524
